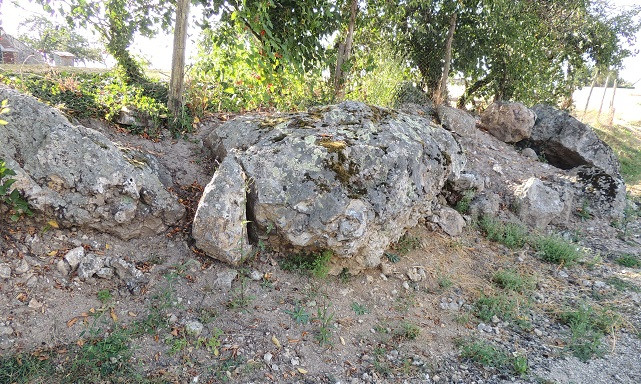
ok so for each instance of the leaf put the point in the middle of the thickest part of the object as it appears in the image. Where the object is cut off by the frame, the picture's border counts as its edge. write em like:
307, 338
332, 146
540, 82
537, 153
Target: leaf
276, 342
53, 224
302, 370
132, 314
113, 315
342, 340
2, 122
52, 253
71, 322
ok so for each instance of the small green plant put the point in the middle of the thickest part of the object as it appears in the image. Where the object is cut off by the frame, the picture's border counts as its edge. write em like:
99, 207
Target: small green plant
359, 309
406, 244
392, 257
324, 319
316, 264
25, 368
584, 212
629, 261
444, 282
587, 327
488, 355
509, 234
213, 342
463, 205
298, 314
408, 331
554, 249
622, 285
104, 295
511, 280
240, 298
18, 206
502, 306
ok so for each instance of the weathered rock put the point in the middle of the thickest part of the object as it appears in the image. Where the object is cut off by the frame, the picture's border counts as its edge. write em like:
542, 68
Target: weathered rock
416, 274
508, 122
602, 193
78, 176
224, 278
466, 182
568, 143
75, 256
220, 224
63, 267
529, 153
90, 265
194, 327
450, 221
21, 267
124, 270
5, 271
485, 204
537, 203
456, 120
349, 178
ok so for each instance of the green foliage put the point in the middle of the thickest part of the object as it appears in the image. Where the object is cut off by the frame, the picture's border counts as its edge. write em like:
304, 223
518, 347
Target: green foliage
629, 261
622, 285
488, 355
406, 244
104, 295
510, 279
46, 37
359, 309
298, 314
502, 306
587, 327
324, 320
316, 264
554, 249
408, 331
463, 205
510, 234
24, 369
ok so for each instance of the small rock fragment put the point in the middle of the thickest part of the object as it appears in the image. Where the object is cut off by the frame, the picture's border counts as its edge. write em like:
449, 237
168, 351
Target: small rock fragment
225, 277
194, 327
5, 271
75, 257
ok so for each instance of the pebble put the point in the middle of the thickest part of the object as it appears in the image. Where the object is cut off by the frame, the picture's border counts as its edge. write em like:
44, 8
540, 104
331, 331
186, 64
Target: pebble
268, 357
406, 285
599, 284
63, 267
275, 367
5, 331
538, 332
495, 319
194, 327
5, 271
35, 304
370, 279
225, 277
386, 269
383, 277
255, 275
75, 256
21, 267
563, 274
295, 361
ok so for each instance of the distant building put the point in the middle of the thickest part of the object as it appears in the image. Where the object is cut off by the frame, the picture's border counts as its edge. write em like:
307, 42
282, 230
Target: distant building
13, 51
63, 59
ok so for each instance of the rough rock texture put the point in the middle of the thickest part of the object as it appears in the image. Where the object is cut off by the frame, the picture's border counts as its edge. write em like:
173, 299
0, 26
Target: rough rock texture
349, 178
220, 224
456, 120
508, 122
569, 144
450, 221
537, 203
78, 176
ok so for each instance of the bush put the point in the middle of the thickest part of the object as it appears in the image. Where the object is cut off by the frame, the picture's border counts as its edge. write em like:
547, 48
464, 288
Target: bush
554, 249
509, 234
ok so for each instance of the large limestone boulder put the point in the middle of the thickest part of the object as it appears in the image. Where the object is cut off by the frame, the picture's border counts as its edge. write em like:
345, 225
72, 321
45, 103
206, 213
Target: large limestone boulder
456, 120
79, 177
539, 204
508, 122
349, 178
220, 227
569, 144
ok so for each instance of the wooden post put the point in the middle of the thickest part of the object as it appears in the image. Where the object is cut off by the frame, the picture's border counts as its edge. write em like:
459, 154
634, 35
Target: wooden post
585, 110
611, 112
607, 80
442, 85
176, 85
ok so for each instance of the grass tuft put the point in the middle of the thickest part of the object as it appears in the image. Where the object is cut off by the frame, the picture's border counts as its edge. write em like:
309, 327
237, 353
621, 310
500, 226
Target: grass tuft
509, 234
554, 249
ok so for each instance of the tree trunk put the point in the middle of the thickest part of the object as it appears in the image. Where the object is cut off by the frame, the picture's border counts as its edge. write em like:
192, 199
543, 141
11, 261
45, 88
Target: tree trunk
607, 80
344, 53
585, 110
175, 102
472, 90
441, 90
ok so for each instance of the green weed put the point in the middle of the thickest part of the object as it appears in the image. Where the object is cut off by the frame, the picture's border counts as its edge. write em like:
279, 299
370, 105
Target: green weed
406, 244
587, 327
324, 319
463, 205
315, 264
502, 306
629, 261
104, 295
511, 280
554, 249
622, 285
359, 309
298, 314
488, 355
24, 369
509, 234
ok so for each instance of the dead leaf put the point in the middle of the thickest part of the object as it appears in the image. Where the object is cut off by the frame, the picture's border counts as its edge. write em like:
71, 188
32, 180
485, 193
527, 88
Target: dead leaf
53, 224
80, 342
52, 253
71, 322
302, 370
342, 340
113, 315
132, 314
276, 342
